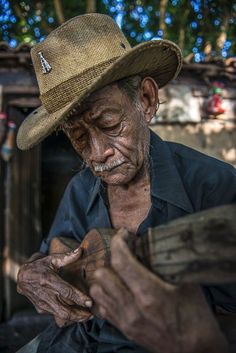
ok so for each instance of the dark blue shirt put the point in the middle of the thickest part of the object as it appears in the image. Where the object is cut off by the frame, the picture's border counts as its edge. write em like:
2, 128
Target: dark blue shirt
183, 181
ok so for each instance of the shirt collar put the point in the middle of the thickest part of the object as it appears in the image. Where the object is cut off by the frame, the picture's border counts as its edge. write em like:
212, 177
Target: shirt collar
166, 183
94, 191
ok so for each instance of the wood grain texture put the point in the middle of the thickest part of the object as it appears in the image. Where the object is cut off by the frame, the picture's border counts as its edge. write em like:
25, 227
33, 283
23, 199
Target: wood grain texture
199, 248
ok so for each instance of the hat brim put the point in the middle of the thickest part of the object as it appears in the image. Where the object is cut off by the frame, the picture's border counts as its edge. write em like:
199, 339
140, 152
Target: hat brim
159, 59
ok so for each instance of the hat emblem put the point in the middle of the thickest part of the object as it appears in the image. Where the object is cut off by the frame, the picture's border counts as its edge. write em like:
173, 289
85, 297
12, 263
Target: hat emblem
46, 67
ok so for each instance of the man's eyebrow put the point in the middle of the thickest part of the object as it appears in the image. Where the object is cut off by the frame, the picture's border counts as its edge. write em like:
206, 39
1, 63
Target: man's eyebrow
99, 114
72, 122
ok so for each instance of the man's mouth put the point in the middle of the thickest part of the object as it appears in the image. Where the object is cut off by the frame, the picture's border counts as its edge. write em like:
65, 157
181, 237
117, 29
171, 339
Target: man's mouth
104, 167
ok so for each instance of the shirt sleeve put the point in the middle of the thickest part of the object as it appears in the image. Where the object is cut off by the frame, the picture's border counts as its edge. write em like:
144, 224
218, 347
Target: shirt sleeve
70, 218
221, 190
221, 187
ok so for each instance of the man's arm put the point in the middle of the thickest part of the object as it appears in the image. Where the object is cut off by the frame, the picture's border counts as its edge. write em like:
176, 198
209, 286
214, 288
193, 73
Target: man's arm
158, 316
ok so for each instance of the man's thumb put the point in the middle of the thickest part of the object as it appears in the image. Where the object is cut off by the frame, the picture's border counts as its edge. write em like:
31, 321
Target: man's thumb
66, 259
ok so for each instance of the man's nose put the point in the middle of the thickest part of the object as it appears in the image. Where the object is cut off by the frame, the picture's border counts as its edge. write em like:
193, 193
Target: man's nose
100, 149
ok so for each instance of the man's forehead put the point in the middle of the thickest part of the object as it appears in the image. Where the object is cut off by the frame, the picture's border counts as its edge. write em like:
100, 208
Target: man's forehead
104, 96
98, 101
107, 92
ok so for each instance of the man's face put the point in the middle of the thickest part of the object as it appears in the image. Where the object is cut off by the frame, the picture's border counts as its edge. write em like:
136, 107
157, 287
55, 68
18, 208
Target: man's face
111, 135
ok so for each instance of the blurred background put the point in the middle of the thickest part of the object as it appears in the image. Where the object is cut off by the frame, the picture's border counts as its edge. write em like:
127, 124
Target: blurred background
198, 109
202, 29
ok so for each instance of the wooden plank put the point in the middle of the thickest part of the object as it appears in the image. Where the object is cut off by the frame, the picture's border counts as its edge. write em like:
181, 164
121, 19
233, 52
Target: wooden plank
22, 216
2, 205
30, 102
199, 248
13, 89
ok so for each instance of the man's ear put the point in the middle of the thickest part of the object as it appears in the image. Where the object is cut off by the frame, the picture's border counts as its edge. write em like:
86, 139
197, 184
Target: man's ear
149, 97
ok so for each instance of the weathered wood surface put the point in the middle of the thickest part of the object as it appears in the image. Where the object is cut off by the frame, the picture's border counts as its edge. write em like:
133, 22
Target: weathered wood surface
96, 254
199, 248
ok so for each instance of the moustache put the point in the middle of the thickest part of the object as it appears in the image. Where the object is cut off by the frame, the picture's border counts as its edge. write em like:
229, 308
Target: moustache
102, 167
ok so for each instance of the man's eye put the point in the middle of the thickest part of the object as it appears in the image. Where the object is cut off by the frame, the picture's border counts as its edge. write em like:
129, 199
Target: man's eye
78, 136
81, 136
113, 129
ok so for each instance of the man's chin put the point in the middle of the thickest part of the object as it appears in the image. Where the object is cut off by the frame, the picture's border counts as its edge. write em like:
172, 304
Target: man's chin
115, 179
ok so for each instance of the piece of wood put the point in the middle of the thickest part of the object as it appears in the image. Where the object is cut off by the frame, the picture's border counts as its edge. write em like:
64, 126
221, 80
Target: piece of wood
96, 254
199, 248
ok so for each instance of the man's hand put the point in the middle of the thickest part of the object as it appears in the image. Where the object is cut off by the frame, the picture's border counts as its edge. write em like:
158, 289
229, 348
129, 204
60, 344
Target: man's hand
40, 282
154, 314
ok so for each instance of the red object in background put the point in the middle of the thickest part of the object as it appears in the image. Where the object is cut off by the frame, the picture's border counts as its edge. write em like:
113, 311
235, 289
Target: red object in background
215, 101
215, 105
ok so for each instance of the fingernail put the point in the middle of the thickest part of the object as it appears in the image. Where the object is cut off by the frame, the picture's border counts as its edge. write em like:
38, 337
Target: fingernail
88, 303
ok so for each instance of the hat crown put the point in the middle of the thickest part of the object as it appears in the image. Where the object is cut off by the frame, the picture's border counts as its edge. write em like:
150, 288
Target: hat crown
83, 55
78, 45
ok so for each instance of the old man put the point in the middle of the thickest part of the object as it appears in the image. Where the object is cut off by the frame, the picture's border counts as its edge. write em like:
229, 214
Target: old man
103, 94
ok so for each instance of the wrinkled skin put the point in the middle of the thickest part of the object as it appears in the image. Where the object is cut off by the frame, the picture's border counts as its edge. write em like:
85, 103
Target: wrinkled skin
112, 135
39, 281
154, 314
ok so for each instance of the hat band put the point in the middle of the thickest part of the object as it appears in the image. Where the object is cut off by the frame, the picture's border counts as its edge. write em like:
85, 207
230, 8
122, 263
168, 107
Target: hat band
59, 96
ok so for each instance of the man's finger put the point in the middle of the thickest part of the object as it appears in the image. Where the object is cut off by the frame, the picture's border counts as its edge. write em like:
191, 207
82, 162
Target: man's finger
65, 314
123, 234
101, 297
68, 292
108, 315
130, 270
62, 323
66, 259
41, 306
64, 311
108, 307
113, 287
68, 314
53, 304
79, 314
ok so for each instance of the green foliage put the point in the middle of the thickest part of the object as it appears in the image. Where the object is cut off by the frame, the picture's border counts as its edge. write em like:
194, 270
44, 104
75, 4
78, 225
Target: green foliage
204, 28
197, 26
29, 21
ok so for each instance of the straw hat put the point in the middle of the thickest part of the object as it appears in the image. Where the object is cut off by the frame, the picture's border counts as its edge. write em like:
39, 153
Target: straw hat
85, 54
